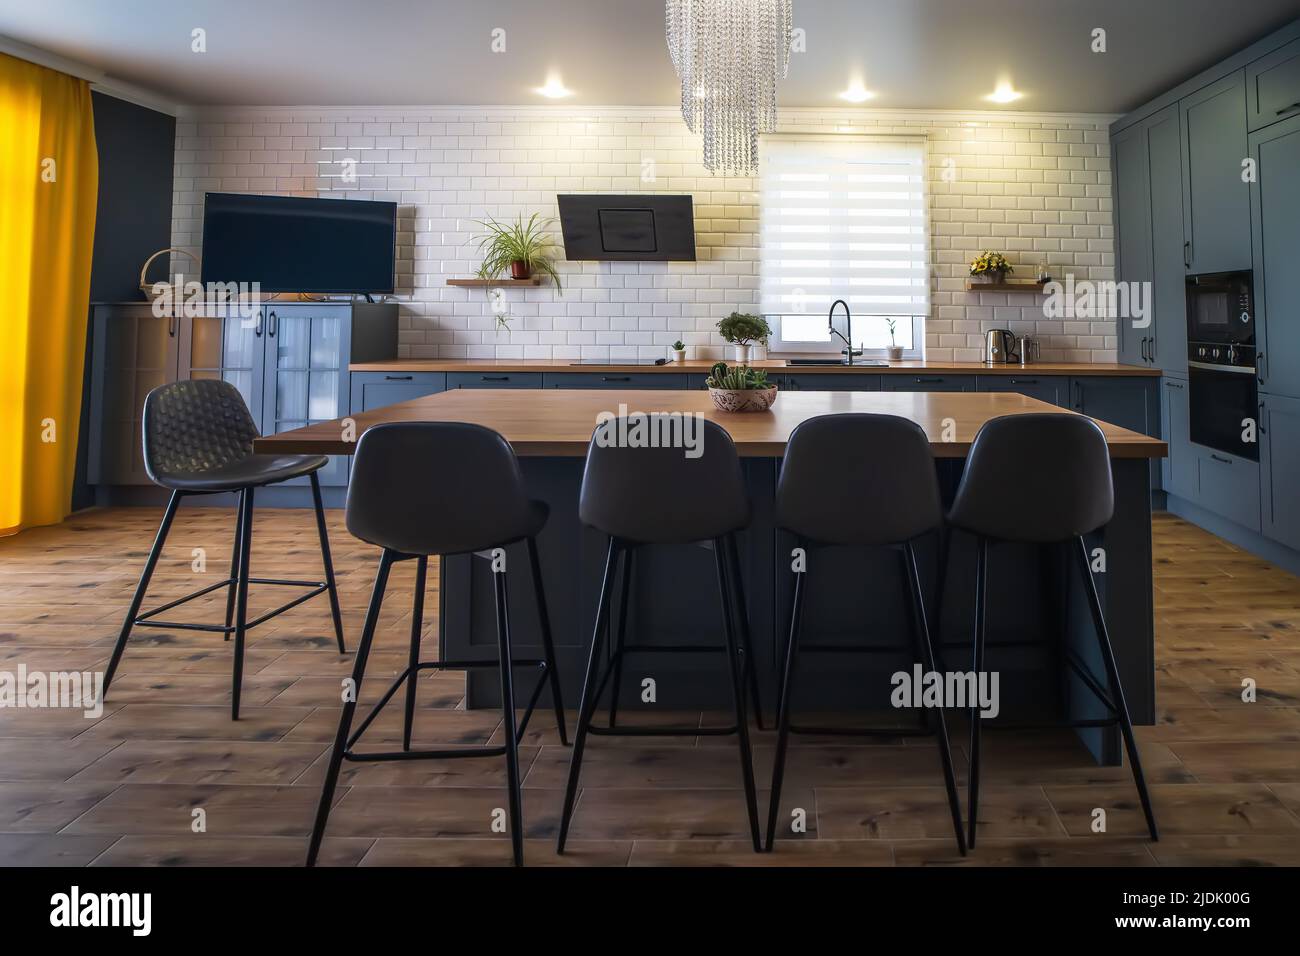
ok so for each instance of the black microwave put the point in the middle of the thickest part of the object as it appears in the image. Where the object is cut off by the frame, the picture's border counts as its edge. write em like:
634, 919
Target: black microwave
1221, 308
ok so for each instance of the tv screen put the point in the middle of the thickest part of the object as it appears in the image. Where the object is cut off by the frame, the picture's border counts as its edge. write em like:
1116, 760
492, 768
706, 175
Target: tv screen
291, 244
628, 228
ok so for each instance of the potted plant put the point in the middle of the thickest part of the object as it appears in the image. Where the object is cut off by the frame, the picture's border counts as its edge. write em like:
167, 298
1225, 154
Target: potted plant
679, 351
991, 267
742, 330
894, 351
740, 389
520, 248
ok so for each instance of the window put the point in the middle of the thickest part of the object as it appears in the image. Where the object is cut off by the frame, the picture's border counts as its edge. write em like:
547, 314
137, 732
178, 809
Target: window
844, 217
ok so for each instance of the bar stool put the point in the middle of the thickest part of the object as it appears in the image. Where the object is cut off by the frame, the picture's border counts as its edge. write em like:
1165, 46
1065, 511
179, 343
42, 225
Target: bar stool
198, 440
861, 481
442, 488
1059, 466
658, 496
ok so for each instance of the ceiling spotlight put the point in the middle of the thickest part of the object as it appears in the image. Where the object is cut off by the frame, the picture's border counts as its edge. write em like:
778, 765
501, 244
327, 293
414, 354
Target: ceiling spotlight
1004, 94
856, 94
554, 89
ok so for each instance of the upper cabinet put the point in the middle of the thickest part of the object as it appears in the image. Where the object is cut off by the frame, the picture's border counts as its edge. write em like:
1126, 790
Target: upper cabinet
1216, 196
1276, 203
1130, 158
1273, 86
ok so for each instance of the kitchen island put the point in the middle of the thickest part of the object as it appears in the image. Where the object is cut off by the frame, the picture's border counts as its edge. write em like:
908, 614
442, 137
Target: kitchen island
1035, 606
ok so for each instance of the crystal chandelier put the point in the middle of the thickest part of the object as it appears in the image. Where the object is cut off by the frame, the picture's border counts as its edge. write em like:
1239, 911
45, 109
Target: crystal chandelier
729, 55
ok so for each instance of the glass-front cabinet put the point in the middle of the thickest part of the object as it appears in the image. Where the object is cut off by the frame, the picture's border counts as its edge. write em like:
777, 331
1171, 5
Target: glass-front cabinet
226, 347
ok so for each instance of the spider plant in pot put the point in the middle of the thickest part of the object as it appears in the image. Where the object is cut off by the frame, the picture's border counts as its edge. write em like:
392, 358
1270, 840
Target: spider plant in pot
520, 248
742, 330
894, 351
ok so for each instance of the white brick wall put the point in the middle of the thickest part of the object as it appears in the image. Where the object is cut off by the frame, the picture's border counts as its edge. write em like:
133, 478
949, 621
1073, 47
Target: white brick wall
1026, 188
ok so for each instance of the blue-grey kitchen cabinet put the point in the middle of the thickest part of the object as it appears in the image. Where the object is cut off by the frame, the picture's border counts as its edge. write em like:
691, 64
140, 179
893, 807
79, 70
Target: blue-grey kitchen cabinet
928, 383
1216, 200
1131, 162
494, 380
829, 382
1276, 213
1177, 471
1273, 86
377, 389
1228, 486
1167, 347
614, 380
1053, 389
1279, 463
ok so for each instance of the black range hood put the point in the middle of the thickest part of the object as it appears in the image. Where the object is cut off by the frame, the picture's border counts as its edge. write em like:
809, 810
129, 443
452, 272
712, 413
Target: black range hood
640, 228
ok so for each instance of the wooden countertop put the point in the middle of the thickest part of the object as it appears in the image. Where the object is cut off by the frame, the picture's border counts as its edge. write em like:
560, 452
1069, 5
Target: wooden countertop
698, 366
559, 422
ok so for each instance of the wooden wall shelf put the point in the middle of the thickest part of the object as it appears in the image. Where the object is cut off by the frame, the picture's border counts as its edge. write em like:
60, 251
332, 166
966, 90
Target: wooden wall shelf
1034, 287
488, 283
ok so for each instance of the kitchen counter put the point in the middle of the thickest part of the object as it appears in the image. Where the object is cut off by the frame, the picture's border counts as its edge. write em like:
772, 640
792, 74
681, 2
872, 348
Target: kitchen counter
698, 366
857, 598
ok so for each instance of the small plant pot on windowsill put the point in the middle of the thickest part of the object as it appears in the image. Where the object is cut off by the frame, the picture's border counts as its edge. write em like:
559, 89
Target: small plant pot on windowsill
894, 353
743, 399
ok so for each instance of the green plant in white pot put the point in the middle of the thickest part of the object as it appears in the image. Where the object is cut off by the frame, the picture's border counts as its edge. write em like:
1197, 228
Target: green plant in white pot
894, 351
743, 331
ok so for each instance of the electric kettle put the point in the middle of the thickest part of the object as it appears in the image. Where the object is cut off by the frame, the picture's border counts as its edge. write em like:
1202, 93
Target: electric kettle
1000, 347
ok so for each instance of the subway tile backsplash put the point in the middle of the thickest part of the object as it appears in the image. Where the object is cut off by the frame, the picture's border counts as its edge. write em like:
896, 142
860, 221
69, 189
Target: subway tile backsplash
1027, 188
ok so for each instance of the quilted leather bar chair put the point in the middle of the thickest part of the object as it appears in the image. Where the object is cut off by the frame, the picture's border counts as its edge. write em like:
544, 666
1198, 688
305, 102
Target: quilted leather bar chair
198, 440
1059, 466
405, 499
641, 496
859, 481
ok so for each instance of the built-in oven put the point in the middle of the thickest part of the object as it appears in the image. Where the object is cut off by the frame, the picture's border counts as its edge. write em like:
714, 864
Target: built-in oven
1223, 404
1220, 311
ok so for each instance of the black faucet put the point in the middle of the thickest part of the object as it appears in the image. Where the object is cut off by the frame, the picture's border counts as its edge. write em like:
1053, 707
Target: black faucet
848, 324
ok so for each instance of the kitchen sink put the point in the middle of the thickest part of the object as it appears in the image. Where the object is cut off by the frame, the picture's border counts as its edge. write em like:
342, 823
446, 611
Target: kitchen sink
802, 363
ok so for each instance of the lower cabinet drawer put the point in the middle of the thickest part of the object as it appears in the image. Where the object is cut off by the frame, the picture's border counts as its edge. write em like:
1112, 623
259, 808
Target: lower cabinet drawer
1229, 486
494, 380
830, 382
928, 383
615, 380
1055, 390
377, 389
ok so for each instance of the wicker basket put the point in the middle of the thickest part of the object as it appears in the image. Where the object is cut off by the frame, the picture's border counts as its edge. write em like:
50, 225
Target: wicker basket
148, 288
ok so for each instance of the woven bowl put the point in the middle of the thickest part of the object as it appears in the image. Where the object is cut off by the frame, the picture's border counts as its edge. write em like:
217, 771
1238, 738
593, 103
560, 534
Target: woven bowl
743, 399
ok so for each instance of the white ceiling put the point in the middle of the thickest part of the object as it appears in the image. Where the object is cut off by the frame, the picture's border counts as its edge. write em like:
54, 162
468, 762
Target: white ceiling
914, 54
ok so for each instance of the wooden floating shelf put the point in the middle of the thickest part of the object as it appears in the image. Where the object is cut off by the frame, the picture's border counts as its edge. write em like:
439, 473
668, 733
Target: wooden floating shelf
1034, 287
488, 283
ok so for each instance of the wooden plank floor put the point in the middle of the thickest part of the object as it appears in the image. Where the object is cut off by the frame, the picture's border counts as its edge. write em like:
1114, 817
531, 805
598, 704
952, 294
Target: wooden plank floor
121, 789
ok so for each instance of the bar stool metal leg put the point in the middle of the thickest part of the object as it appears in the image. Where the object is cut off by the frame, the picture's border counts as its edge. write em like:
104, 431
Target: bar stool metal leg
508, 719
981, 609
620, 636
921, 630
742, 611
349, 707
587, 707
738, 693
1116, 689
548, 643
241, 599
783, 707
327, 560
150, 564
234, 566
413, 658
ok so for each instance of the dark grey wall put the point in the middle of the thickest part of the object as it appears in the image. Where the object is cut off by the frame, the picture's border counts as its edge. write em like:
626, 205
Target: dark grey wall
133, 219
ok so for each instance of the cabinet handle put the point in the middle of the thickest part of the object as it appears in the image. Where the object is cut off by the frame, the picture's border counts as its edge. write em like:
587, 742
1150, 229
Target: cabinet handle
929, 381
398, 378
1177, 385
1187, 253
1024, 381
171, 324
1220, 458
1078, 396
273, 326
1287, 109
1259, 425
1259, 368
257, 329
616, 378
1144, 348
1151, 349
494, 378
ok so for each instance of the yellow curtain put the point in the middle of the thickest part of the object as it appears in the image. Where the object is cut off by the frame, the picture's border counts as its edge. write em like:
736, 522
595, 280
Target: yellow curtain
49, 173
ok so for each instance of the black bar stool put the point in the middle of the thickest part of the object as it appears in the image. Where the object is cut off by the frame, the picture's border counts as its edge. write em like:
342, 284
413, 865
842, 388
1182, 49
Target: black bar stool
653, 496
442, 488
198, 440
863, 481
1059, 467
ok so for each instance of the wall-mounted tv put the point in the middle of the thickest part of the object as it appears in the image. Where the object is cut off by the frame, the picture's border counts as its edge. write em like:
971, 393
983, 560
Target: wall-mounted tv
292, 244
628, 228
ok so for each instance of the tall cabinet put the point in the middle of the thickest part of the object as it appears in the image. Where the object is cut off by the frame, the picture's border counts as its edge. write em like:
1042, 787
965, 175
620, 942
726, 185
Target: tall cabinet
288, 360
